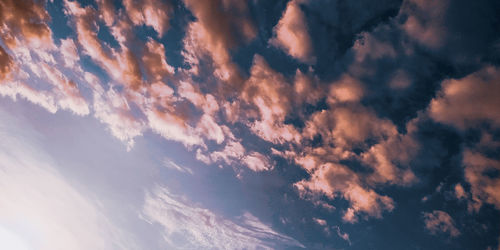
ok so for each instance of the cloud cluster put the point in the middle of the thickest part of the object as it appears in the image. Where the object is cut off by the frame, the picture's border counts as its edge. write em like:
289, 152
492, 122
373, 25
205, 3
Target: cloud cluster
353, 130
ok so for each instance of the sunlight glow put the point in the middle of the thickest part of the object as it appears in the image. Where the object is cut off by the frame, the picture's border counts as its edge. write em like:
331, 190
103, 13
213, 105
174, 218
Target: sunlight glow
11, 241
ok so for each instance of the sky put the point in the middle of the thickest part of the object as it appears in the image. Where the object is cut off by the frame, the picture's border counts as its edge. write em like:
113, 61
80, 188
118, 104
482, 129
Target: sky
232, 124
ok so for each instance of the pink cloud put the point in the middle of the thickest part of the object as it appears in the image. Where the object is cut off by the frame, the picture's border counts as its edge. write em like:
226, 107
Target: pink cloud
440, 222
484, 187
155, 62
69, 52
390, 159
257, 162
345, 89
41, 98
291, 34
173, 127
335, 180
5, 63
457, 104
425, 22
348, 126
25, 21
268, 93
66, 91
154, 13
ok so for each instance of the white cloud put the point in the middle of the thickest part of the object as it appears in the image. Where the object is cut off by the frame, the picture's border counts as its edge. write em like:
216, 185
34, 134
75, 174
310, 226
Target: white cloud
189, 226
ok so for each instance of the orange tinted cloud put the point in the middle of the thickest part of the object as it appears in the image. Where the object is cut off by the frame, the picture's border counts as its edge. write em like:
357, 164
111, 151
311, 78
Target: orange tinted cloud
5, 63
268, 93
24, 20
440, 222
219, 27
336, 180
458, 102
425, 22
154, 13
154, 60
484, 187
291, 34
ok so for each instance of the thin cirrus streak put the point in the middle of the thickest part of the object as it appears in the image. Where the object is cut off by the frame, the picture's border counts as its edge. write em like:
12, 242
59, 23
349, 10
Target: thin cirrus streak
364, 101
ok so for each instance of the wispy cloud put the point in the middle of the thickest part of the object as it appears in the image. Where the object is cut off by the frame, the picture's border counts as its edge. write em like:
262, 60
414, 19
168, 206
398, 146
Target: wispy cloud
186, 225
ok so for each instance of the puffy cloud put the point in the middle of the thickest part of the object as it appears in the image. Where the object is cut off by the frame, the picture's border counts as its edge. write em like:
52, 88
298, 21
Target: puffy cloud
154, 60
28, 67
154, 13
257, 162
425, 22
232, 151
107, 11
306, 88
42, 98
60, 92
440, 222
186, 225
460, 192
66, 91
484, 186
220, 25
112, 108
291, 34
25, 20
123, 65
268, 92
457, 104
336, 180
467, 103
346, 89
390, 159
69, 52
348, 127
173, 127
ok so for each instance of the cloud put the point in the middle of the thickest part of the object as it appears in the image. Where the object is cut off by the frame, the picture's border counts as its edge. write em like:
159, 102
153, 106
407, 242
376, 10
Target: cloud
186, 225
155, 63
257, 162
154, 13
5, 63
319, 221
483, 185
172, 165
66, 91
460, 192
335, 180
426, 22
69, 52
467, 103
457, 104
219, 27
25, 21
291, 34
268, 94
41, 98
112, 108
438, 222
